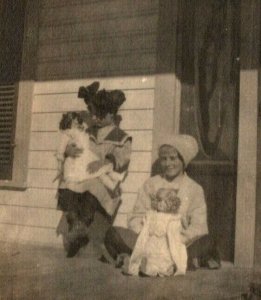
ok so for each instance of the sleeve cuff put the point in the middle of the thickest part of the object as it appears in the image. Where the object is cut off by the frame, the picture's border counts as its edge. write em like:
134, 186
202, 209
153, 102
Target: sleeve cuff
112, 159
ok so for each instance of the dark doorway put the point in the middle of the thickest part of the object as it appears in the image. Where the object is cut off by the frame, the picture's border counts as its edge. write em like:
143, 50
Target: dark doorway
209, 63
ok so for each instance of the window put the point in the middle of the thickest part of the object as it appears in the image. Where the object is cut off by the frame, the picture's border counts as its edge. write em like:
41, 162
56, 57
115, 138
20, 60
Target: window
15, 95
8, 99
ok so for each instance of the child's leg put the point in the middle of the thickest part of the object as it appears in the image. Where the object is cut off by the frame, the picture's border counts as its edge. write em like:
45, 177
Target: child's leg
88, 205
205, 252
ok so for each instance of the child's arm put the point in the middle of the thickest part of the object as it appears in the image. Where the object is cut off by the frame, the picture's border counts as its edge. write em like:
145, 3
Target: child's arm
94, 166
120, 156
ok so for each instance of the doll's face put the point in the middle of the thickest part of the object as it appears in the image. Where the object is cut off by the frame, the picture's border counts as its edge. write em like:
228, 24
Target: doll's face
75, 123
166, 200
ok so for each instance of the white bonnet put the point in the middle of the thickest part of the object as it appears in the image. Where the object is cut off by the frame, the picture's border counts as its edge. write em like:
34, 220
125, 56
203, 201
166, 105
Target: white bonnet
186, 145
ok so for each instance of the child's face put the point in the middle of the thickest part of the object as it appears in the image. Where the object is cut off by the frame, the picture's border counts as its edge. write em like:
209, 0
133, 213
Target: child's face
105, 121
170, 162
100, 120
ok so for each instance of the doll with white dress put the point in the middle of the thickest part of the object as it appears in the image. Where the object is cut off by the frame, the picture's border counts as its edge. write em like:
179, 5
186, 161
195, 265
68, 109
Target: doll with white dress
75, 170
159, 250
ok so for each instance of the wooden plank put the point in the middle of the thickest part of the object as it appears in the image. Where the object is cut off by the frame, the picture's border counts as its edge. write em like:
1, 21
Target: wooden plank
128, 202
30, 216
108, 44
135, 99
131, 120
72, 86
247, 169
142, 140
32, 235
134, 181
140, 161
121, 220
46, 199
44, 179
60, 3
123, 64
86, 30
97, 11
41, 198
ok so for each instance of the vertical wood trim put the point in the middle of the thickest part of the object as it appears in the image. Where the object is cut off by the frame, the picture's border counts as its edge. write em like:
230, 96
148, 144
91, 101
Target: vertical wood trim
30, 42
167, 84
246, 173
247, 137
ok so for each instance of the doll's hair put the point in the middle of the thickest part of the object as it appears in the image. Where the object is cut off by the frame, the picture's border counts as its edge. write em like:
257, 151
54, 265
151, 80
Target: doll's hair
67, 118
169, 196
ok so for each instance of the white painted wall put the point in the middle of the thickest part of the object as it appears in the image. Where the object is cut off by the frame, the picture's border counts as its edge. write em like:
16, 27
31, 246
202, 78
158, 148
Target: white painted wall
31, 215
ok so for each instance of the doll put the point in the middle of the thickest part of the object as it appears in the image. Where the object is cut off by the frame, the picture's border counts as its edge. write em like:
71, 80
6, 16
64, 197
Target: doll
159, 250
74, 170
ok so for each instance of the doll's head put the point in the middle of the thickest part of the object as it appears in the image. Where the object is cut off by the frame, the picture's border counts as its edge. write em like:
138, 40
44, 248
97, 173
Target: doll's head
166, 200
72, 120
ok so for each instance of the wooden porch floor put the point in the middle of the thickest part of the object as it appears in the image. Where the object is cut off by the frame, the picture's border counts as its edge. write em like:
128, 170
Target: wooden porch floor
34, 272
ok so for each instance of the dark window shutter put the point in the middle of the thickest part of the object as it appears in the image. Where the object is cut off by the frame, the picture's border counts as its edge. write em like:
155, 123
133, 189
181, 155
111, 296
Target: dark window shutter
8, 100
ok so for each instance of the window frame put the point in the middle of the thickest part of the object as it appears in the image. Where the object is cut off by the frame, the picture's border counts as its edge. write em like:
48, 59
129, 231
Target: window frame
22, 138
25, 91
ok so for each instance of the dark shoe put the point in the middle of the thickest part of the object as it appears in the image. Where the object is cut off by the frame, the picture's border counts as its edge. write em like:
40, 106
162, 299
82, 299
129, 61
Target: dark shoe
193, 264
213, 264
121, 259
76, 245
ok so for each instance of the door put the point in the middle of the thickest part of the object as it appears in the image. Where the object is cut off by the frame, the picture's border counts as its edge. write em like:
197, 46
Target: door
209, 106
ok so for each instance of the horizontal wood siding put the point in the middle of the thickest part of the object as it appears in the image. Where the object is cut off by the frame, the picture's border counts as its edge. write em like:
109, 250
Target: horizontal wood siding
97, 38
31, 216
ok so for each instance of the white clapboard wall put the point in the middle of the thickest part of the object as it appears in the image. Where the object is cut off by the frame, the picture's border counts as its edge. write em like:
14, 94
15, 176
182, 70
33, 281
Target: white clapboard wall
31, 215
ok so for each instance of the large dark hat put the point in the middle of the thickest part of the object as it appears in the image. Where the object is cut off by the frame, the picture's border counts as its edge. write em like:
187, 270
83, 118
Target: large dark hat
88, 93
108, 101
104, 101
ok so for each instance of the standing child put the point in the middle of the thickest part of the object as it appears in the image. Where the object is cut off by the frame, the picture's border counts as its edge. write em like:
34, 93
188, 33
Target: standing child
159, 250
113, 148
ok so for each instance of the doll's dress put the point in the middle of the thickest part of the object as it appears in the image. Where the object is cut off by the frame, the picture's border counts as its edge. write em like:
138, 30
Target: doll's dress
75, 169
159, 250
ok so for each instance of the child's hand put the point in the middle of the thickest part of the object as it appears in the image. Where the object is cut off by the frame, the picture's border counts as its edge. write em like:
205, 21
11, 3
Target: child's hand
94, 166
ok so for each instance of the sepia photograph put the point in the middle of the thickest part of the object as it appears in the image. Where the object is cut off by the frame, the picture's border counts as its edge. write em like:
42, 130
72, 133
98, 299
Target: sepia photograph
130, 138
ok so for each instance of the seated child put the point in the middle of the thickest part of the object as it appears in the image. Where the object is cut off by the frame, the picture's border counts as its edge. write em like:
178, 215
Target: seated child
74, 170
159, 250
